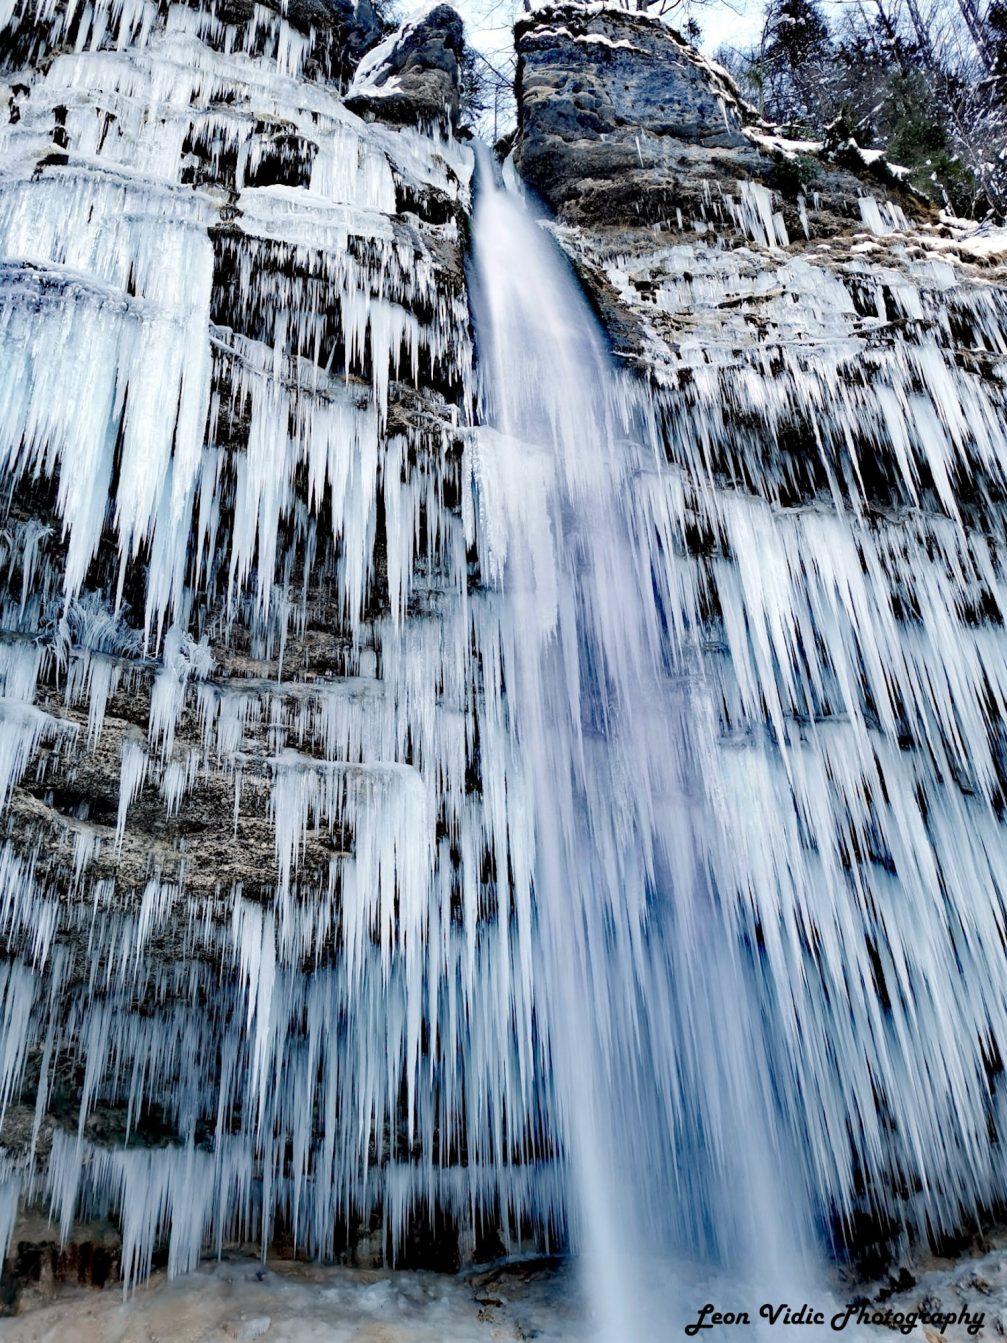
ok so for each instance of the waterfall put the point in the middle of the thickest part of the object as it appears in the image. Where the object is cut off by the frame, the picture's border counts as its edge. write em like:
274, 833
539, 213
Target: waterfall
766, 746
662, 1087
479, 803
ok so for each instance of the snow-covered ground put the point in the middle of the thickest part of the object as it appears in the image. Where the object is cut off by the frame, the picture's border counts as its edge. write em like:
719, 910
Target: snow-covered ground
281, 1302
297, 1303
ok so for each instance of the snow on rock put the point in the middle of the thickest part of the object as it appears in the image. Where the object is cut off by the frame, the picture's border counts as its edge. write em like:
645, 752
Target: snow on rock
412, 76
964, 238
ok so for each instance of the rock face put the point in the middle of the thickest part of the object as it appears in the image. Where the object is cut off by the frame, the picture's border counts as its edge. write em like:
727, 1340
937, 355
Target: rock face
622, 122
825, 363
612, 111
412, 78
253, 840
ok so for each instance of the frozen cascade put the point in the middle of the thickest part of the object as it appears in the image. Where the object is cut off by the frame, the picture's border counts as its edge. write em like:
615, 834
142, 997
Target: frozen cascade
571, 812
257, 776
850, 595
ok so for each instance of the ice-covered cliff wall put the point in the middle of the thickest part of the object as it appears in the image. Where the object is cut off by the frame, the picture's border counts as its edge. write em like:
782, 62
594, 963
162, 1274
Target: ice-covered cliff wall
827, 365
246, 989
268, 888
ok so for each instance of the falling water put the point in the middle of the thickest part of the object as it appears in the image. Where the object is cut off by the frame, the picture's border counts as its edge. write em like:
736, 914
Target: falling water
660, 1084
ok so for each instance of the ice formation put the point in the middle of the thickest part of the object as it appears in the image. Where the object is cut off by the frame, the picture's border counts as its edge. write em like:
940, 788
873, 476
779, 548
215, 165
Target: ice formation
527, 796
849, 586
207, 295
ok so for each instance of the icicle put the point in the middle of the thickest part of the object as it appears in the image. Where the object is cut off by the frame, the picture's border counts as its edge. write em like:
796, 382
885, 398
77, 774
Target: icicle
132, 775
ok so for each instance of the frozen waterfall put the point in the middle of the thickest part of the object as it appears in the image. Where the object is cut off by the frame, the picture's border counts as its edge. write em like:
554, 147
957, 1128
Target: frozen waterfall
463, 802
663, 1089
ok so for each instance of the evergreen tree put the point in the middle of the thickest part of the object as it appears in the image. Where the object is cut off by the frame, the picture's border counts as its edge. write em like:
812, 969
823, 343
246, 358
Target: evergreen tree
923, 80
795, 58
795, 34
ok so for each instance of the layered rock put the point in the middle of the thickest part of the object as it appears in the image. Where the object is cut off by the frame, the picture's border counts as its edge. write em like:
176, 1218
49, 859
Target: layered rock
616, 116
267, 892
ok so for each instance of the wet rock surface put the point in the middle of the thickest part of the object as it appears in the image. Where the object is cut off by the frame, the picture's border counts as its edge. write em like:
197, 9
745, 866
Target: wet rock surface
41, 1265
243, 1299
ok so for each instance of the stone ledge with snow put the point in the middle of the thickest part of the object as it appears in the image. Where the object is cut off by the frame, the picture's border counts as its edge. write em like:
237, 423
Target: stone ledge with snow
621, 122
412, 77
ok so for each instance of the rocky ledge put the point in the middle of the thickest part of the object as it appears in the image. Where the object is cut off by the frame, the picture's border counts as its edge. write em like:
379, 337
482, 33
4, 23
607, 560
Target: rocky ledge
622, 122
412, 78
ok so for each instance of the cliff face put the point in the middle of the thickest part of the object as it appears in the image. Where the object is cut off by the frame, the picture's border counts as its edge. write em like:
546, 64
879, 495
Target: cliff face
235, 351
621, 122
617, 121
825, 359
413, 76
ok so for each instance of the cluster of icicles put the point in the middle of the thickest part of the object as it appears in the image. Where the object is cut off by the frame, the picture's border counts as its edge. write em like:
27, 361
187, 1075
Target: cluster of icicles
368, 1042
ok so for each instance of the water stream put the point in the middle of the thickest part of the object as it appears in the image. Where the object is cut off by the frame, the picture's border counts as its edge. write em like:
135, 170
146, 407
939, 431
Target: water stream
663, 1098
